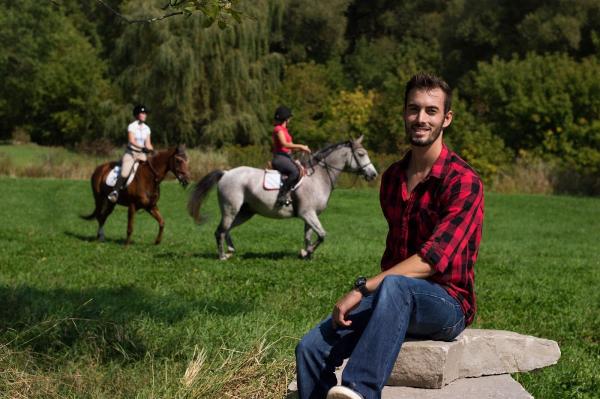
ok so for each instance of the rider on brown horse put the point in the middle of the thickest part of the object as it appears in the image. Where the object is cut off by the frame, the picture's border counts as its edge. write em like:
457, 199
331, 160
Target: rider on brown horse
138, 145
282, 149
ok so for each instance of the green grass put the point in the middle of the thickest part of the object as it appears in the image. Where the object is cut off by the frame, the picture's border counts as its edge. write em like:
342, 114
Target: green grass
86, 319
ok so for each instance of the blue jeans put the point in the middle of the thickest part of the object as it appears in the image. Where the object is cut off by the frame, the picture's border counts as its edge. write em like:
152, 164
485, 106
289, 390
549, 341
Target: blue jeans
401, 307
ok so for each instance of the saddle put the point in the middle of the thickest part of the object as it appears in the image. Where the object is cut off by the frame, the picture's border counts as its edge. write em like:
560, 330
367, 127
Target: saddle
111, 177
272, 178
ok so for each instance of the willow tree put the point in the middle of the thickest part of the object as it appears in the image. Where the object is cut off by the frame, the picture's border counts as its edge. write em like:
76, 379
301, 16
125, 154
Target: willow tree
202, 85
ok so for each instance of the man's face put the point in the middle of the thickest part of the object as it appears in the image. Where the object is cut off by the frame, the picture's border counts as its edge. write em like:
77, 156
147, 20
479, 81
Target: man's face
142, 117
424, 117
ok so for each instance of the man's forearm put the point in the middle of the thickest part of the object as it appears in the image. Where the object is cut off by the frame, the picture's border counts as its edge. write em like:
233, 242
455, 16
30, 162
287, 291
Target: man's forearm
414, 266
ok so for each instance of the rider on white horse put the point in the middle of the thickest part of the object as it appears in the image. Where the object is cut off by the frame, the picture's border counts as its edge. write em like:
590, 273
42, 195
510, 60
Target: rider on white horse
138, 145
282, 149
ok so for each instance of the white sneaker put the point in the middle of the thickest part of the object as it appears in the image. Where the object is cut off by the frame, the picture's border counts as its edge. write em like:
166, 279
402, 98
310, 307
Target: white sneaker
342, 392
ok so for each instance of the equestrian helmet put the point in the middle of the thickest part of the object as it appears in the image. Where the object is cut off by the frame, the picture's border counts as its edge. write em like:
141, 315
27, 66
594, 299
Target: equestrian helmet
282, 113
138, 109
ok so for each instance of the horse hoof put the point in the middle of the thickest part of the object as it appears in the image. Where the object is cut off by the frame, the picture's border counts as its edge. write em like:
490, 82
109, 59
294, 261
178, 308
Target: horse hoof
156, 242
304, 254
231, 249
225, 256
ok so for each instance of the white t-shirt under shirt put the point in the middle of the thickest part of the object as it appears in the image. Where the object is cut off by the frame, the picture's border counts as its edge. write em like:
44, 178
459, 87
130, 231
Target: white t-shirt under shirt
141, 132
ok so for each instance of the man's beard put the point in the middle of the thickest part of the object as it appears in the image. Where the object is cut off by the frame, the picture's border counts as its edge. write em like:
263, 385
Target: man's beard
425, 141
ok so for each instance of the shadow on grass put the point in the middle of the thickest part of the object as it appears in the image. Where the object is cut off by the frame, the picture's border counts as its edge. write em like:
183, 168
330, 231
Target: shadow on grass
175, 255
93, 238
95, 321
276, 255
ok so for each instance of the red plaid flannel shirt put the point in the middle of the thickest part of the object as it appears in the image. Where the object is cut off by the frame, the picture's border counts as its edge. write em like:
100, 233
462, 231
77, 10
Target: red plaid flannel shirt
440, 220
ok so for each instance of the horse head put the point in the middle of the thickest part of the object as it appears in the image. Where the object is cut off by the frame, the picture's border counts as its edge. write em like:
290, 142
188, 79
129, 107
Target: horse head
178, 164
359, 161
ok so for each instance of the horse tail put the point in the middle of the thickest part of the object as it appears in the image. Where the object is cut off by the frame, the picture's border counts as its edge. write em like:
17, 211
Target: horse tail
200, 191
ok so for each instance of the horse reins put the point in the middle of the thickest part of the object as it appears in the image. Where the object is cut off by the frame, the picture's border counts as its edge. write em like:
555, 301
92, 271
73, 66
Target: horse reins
322, 162
156, 173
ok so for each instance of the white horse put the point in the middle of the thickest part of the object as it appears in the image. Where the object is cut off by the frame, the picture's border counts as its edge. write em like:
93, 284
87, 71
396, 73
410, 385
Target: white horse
241, 193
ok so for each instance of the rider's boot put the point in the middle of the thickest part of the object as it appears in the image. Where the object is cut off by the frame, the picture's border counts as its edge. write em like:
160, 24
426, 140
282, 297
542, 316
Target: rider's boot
114, 195
283, 198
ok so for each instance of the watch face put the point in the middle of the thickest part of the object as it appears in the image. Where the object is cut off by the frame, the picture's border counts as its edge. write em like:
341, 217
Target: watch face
360, 282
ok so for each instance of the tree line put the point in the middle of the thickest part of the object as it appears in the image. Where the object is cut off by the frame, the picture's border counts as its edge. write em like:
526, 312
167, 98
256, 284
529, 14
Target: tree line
525, 73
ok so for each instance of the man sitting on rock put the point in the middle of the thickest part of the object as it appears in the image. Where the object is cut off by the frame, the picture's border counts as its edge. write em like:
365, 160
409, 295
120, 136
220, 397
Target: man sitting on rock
433, 203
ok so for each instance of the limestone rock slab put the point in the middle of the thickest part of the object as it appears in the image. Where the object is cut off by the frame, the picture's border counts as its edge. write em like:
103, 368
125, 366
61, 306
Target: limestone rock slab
491, 387
474, 353
427, 364
488, 352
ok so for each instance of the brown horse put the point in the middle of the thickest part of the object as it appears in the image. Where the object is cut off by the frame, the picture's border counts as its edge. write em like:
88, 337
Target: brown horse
142, 193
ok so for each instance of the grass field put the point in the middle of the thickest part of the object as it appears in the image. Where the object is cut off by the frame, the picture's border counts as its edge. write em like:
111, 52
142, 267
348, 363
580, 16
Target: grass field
91, 320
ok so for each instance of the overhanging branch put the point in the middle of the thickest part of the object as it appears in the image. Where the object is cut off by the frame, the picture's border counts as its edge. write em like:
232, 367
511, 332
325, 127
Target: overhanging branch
141, 20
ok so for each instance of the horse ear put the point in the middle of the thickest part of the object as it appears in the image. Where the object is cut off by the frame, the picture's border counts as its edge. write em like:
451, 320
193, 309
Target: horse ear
360, 139
180, 148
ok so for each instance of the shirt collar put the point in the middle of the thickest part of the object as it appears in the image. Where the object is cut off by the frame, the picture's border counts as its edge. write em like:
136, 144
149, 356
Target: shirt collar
438, 168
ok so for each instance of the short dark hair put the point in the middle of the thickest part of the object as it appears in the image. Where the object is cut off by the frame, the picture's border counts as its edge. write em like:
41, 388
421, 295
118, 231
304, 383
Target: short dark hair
429, 82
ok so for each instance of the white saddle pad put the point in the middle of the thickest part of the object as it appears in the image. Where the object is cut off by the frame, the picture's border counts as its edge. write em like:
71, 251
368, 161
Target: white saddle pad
111, 178
272, 180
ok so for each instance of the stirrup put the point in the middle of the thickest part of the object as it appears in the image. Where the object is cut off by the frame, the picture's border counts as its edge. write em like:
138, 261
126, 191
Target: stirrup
113, 196
283, 200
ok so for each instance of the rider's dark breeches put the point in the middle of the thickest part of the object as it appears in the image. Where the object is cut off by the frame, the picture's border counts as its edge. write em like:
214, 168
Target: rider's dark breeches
285, 164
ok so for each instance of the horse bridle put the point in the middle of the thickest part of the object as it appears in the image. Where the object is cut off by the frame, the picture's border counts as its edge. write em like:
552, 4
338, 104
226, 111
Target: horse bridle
175, 172
353, 149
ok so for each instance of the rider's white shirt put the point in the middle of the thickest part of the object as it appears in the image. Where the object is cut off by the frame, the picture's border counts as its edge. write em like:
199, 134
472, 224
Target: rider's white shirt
141, 131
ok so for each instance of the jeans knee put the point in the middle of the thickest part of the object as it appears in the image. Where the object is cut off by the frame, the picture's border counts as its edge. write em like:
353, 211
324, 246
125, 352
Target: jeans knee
304, 348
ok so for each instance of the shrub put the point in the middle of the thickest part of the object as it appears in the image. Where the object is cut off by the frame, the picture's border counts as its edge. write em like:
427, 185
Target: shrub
546, 104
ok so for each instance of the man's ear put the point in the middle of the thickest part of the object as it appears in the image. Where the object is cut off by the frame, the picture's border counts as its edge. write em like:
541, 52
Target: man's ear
448, 119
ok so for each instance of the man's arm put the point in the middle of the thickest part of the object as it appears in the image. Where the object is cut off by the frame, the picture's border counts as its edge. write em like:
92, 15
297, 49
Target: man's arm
414, 266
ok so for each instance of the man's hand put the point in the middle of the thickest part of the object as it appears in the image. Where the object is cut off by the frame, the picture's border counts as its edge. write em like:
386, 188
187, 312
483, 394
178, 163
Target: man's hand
345, 305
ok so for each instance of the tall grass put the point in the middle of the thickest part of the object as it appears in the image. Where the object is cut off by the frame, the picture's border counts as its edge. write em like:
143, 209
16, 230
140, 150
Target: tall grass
527, 175
228, 373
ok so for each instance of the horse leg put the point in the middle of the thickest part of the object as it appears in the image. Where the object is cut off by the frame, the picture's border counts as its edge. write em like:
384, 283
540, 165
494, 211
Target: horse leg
161, 223
308, 231
103, 211
130, 217
312, 222
242, 217
221, 234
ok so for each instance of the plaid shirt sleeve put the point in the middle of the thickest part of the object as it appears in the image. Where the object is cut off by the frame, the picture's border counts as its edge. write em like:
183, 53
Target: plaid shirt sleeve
461, 217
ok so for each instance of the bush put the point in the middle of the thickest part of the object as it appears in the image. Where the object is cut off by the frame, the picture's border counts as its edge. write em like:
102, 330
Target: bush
475, 143
549, 105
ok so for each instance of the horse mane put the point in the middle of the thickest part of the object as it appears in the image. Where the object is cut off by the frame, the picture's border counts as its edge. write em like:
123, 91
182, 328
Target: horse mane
169, 152
324, 152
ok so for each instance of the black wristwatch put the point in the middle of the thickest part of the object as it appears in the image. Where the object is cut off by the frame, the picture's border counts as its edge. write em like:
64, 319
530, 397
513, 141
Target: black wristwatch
361, 285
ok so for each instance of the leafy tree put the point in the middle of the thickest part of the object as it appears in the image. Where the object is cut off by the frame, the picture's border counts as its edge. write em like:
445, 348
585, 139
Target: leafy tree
207, 86
314, 30
474, 141
349, 114
53, 82
549, 104
307, 90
